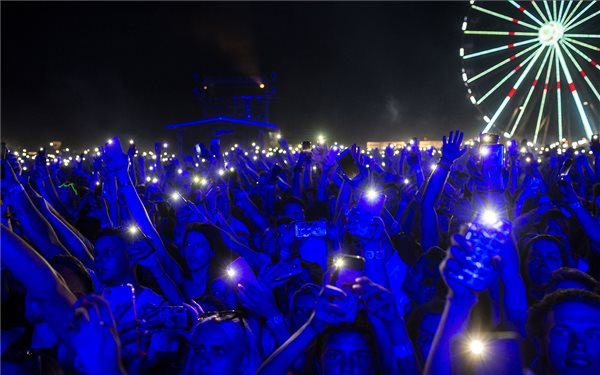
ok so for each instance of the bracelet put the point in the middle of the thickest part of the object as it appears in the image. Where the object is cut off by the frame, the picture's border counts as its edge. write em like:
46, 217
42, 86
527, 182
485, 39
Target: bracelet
274, 321
403, 351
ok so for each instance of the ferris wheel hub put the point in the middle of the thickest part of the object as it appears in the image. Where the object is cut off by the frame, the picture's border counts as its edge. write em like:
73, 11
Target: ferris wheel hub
551, 33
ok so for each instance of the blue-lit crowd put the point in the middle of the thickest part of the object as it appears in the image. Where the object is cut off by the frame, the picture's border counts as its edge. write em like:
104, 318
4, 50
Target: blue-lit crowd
475, 257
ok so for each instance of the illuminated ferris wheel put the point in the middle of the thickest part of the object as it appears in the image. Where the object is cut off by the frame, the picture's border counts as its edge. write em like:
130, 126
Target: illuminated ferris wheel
531, 67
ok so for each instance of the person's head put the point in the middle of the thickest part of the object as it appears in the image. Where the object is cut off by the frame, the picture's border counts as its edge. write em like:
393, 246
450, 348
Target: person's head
347, 350
292, 207
422, 325
567, 326
111, 260
572, 278
222, 345
204, 249
393, 194
555, 223
74, 273
302, 304
542, 255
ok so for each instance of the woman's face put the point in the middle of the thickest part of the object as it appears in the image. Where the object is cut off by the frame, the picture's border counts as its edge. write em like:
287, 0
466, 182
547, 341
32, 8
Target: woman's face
347, 353
543, 258
197, 251
214, 352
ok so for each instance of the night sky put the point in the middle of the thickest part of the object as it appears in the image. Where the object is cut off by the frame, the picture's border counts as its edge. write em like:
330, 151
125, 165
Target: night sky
80, 72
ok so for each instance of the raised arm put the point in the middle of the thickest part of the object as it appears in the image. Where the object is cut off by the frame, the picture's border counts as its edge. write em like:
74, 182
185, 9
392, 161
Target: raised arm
433, 190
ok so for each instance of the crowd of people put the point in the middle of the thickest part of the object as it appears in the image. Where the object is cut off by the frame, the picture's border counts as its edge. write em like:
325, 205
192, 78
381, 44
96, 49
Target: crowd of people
468, 259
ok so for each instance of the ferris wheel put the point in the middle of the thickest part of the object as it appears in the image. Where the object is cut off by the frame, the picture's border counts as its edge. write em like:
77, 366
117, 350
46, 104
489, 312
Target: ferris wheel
531, 68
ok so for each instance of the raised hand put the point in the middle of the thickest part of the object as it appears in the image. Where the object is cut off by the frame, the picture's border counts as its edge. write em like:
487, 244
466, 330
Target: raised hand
452, 270
92, 334
378, 300
451, 149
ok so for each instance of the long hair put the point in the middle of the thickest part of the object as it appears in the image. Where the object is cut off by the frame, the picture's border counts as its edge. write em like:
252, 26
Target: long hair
222, 255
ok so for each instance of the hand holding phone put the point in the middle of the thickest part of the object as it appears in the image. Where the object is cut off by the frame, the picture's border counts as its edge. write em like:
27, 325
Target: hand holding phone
346, 269
348, 165
303, 229
114, 159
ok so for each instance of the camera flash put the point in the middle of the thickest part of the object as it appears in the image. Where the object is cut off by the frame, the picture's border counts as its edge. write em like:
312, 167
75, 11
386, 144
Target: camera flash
406, 181
133, 229
372, 195
131, 141
476, 347
175, 196
489, 217
231, 273
338, 263
484, 151
165, 145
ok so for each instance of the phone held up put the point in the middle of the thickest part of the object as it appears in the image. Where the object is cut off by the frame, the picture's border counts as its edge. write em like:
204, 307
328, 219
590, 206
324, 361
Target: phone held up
347, 268
348, 165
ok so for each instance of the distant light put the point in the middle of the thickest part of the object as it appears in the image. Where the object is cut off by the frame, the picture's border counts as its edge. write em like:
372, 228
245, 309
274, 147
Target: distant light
461, 52
484, 151
203, 182
464, 26
110, 141
131, 141
165, 145
179, 171
97, 183
205, 87
231, 273
486, 119
196, 179
473, 100
154, 180
148, 179
51, 144
175, 196
262, 85
406, 181
133, 229
278, 136
506, 134
338, 263
221, 172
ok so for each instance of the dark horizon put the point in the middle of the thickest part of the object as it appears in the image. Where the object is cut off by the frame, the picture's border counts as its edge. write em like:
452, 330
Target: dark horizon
82, 72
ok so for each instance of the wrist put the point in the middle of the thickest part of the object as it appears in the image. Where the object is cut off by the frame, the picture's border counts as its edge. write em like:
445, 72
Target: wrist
466, 299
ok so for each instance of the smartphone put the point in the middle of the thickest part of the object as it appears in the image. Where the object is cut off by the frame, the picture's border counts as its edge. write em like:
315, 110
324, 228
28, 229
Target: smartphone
489, 139
304, 229
488, 353
346, 269
372, 203
292, 267
595, 140
122, 302
566, 167
198, 149
487, 234
306, 147
348, 164
240, 271
414, 142
215, 147
492, 164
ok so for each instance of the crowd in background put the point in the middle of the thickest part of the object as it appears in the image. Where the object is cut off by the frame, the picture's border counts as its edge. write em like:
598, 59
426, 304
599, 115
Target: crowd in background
478, 258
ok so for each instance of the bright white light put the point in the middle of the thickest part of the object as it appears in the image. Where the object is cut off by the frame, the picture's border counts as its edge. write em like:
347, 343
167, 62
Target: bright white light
196, 179
148, 179
473, 100
464, 26
203, 182
179, 171
372, 194
231, 273
110, 141
165, 145
338, 263
506, 134
406, 181
133, 229
461, 52
320, 138
528, 159
476, 347
154, 180
97, 183
51, 144
175, 196
131, 141
489, 217
221, 172
486, 119
464, 77
484, 151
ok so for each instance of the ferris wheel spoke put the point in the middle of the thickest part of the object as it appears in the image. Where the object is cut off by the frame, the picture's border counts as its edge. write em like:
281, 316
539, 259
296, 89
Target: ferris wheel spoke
512, 91
582, 73
547, 10
554, 10
524, 11
528, 97
573, 12
503, 62
506, 78
503, 33
539, 11
502, 16
558, 97
584, 35
544, 94
564, 15
583, 55
496, 49
584, 119
592, 47
560, 10
571, 23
